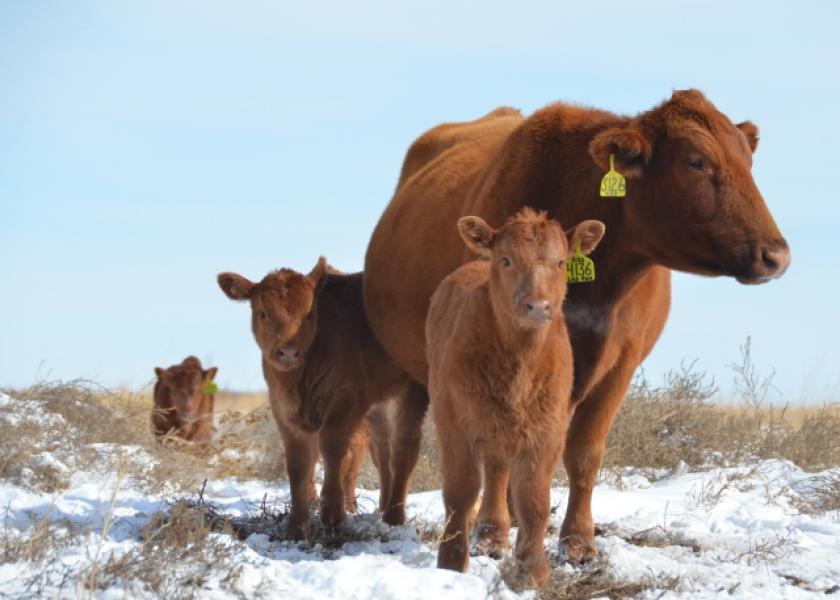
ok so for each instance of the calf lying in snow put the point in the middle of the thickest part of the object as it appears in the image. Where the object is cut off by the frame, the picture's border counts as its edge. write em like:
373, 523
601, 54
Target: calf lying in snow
325, 370
184, 396
500, 377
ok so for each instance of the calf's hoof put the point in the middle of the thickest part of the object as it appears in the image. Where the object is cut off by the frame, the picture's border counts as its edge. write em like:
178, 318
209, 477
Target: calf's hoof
579, 549
491, 539
296, 530
454, 556
395, 515
533, 570
332, 515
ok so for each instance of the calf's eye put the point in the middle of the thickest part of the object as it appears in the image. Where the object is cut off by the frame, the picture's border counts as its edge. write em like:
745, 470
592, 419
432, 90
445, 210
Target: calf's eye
505, 261
696, 164
263, 315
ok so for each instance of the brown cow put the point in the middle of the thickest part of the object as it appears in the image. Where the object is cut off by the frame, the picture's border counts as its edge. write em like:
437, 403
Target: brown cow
500, 380
691, 205
184, 401
324, 370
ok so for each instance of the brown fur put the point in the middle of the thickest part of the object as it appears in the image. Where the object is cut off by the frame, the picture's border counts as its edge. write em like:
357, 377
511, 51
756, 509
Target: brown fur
181, 406
325, 370
500, 379
708, 218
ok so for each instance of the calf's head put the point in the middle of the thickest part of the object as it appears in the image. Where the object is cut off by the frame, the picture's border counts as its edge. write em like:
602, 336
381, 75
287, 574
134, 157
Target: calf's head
528, 257
697, 207
283, 311
186, 384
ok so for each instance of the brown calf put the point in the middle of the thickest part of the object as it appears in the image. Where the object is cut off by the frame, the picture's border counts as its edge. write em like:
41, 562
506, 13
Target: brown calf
184, 401
500, 378
325, 370
691, 205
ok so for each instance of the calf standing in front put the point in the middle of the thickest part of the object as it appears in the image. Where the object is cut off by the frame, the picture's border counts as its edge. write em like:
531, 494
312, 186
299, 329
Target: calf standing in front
184, 398
325, 370
500, 377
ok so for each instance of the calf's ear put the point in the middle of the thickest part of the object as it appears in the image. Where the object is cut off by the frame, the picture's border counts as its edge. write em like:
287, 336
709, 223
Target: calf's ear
316, 275
235, 286
477, 234
159, 372
210, 374
630, 146
750, 131
587, 234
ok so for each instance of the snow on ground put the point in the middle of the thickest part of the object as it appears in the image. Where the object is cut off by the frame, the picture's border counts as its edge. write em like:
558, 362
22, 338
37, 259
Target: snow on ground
728, 531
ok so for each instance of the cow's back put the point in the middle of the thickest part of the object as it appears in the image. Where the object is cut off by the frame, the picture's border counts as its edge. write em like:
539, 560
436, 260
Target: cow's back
416, 242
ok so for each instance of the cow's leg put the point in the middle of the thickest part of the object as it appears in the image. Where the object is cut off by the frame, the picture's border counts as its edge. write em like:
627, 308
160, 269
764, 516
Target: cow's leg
352, 464
493, 522
405, 445
335, 439
530, 484
379, 427
461, 485
585, 445
301, 456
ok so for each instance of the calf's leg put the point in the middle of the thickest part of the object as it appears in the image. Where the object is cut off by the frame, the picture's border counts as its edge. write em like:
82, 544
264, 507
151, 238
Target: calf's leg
461, 484
405, 445
301, 456
379, 427
530, 485
352, 464
335, 442
493, 524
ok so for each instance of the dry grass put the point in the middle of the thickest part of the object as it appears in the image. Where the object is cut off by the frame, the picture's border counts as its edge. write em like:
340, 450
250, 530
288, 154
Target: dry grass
53, 429
657, 427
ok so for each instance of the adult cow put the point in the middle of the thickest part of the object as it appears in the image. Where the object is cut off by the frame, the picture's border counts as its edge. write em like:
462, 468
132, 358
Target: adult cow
691, 205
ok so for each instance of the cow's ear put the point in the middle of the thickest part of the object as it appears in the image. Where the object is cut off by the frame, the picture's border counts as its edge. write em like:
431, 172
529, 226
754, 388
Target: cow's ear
587, 234
210, 374
630, 146
159, 373
235, 286
750, 131
316, 275
477, 234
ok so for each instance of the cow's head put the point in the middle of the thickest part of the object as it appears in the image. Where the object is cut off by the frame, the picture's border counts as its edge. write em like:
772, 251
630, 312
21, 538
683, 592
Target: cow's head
528, 257
283, 311
698, 208
186, 384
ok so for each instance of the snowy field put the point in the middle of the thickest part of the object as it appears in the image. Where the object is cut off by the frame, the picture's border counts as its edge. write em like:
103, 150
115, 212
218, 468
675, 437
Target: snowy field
736, 532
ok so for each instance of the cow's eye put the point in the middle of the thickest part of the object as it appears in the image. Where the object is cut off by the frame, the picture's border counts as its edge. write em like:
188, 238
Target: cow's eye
505, 261
263, 315
561, 264
309, 316
696, 164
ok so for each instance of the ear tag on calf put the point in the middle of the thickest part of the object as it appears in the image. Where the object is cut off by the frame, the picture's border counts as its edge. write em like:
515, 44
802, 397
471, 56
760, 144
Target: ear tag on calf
613, 184
210, 387
580, 268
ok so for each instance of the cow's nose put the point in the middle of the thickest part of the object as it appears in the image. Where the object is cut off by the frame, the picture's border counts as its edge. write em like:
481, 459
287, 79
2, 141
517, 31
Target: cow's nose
775, 260
288, 354
538, 309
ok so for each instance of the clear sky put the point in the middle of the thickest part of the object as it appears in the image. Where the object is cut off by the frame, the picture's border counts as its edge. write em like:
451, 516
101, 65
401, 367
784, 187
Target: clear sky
145, 147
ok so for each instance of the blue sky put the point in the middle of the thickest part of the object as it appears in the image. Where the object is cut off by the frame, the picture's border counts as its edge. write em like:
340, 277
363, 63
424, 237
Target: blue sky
144, 147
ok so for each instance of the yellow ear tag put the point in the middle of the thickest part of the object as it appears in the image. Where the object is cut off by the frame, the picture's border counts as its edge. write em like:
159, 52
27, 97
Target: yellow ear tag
613, 184
209, 387
580, 268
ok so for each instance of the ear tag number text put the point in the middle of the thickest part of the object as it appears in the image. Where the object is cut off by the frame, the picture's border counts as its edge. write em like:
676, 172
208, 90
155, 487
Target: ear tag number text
580, 269
613, 184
